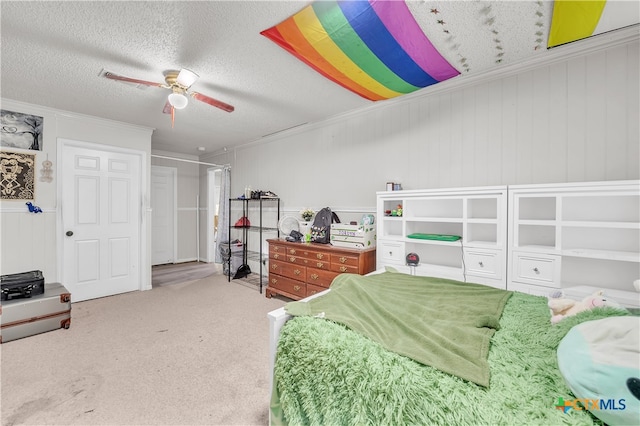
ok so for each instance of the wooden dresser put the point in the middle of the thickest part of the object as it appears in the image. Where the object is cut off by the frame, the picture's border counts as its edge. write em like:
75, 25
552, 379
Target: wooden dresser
298, 270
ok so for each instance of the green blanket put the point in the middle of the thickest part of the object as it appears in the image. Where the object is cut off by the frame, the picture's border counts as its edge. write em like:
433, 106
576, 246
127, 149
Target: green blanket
442, 323
326, 374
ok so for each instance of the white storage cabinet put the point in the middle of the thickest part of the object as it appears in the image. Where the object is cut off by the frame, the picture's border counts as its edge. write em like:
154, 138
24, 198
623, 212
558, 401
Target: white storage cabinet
477, 215
577, 238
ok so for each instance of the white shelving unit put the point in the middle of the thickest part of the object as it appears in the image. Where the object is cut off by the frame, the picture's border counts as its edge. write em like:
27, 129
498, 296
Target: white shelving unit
575, 237
477, 215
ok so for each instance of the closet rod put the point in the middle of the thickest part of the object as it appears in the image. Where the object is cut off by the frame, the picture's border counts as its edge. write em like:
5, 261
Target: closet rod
190, 161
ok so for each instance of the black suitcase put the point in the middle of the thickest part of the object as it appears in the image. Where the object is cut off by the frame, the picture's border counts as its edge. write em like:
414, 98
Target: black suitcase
22, 285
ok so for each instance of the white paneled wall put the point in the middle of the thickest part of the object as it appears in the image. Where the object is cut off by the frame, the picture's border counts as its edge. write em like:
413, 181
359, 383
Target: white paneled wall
573, 120
29, 242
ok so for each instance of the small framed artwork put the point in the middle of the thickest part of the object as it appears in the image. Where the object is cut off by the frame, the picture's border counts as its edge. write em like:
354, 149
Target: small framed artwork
20, 130
17, 175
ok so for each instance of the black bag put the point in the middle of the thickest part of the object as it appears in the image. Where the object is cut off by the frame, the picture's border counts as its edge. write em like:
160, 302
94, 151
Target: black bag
321, 228
24, 284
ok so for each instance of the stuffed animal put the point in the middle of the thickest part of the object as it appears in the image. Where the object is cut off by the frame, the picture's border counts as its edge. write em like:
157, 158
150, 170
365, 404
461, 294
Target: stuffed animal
562, 308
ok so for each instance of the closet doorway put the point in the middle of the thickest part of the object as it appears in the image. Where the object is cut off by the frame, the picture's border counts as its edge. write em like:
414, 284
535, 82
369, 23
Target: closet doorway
163, 214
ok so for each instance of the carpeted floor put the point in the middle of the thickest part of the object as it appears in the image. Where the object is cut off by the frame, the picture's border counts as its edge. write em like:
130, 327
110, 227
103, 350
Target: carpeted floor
194, 353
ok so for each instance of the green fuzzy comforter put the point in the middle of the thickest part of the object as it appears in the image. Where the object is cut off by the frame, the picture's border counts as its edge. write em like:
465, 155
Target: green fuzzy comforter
327, 374
452, 321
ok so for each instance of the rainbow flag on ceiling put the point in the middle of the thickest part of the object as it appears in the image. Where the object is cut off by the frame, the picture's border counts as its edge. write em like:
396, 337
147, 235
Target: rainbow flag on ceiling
374, 48
577, 19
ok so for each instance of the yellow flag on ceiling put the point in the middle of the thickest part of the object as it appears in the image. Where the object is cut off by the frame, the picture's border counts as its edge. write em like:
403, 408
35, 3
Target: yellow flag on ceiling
577, 19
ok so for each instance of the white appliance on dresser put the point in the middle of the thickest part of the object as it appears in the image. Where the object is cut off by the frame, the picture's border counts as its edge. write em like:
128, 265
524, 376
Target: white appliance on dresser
576, 238
478, 216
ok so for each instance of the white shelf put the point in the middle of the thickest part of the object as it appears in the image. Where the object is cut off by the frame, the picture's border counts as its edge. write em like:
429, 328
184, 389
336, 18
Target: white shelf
630, 299
589, 231
433, 219
478, 215
603, 224
432, 242
624, 256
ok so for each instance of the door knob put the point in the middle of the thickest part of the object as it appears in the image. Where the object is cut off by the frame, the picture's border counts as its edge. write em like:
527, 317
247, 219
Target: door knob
69, 233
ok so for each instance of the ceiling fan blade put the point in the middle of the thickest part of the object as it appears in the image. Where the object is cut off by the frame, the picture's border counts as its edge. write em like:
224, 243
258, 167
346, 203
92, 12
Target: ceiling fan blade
213, 102
113, 76
167, 108
186, 78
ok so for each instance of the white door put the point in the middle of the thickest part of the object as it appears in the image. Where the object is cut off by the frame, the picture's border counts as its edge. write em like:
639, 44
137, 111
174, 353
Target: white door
101, 216
163, 205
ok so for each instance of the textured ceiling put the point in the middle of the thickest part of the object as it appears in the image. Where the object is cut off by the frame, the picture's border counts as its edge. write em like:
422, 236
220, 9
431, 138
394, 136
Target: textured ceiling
53, 54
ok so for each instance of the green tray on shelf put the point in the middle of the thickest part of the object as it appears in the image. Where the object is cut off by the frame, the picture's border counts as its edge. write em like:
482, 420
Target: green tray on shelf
437, 237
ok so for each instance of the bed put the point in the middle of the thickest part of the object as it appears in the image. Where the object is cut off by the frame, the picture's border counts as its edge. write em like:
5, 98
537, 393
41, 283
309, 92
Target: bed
332, 364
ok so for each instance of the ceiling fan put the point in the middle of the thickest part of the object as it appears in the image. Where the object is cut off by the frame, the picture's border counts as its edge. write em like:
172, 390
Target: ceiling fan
179, 84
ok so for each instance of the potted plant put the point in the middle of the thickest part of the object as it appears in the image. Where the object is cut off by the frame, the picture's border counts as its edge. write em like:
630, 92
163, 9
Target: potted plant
307, 214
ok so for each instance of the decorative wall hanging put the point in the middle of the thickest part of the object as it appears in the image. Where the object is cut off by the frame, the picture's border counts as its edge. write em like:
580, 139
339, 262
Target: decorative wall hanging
46, 173
32, 208
16, 176
21, 130
376, 49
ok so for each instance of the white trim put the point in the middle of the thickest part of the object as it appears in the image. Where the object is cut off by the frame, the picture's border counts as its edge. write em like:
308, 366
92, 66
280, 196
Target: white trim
62, 113
24, 210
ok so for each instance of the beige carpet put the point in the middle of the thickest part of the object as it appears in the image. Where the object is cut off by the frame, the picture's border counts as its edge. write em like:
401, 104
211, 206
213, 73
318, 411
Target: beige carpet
194, 353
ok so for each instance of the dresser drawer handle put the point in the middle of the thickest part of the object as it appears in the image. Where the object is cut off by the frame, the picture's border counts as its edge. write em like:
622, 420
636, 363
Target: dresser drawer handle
297, 271
276, 256
343, 269
274, 281
320, 265
536, 270
481, 264
296, 288
274, 266
292, 259
292, 251
315, 276
320, 255
343, 259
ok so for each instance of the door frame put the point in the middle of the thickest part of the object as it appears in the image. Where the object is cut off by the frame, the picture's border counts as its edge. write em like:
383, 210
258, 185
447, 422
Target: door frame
211, 208
144, 256
174, 179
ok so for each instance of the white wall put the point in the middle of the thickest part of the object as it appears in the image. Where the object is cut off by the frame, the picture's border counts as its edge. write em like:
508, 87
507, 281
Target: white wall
571, 120
30, 241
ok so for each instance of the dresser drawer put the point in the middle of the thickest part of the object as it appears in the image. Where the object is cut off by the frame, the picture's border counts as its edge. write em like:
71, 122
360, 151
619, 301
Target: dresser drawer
485, 263
341, 259
313, 289
344, 269
317, 255
536, 269
288, 285
290, 270
275, 248
320, 277
391, 252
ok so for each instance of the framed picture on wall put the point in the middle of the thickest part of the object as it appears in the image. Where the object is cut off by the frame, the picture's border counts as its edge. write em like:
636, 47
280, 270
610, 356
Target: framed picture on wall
17, 175
21, 130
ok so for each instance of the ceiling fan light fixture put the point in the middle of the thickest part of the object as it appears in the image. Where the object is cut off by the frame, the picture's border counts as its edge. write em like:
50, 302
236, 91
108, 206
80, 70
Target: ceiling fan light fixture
178, 100
186, 77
